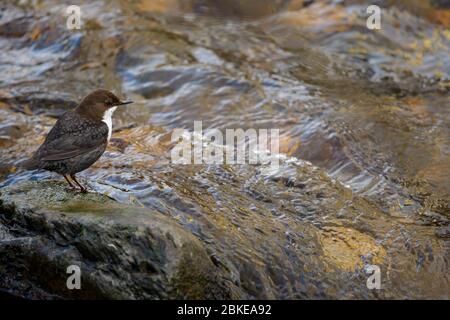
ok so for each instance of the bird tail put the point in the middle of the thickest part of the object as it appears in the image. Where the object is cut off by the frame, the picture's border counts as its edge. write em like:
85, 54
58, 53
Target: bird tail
29, 164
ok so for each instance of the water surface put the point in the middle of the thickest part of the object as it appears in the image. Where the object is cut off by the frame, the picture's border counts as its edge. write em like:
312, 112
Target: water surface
363, 118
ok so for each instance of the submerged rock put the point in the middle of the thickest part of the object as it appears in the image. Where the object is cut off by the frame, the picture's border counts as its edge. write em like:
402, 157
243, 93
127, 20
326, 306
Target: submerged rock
123, 252
376, 194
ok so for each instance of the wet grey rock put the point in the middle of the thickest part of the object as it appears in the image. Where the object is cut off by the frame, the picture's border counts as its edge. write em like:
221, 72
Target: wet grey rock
443, 232
441, 4
43, 104
16, 27
123, 252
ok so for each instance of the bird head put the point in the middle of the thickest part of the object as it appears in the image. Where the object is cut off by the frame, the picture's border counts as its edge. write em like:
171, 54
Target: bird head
97, 103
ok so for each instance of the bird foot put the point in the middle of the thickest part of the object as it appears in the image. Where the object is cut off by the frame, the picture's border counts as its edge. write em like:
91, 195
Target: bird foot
84, 190
77, 190
70, 188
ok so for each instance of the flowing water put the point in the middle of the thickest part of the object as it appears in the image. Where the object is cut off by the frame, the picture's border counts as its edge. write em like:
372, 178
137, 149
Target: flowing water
363, 117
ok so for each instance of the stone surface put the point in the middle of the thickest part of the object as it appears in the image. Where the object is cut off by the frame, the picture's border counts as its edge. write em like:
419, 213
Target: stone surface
123, 252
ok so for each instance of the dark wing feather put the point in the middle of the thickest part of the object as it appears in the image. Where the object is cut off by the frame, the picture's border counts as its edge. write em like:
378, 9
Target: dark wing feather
72, 135
66, 155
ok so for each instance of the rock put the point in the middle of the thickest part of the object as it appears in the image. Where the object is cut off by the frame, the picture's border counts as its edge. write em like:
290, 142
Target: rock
123, 252
443, 232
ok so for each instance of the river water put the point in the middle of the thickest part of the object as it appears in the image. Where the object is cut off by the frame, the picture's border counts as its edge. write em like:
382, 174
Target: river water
363, 117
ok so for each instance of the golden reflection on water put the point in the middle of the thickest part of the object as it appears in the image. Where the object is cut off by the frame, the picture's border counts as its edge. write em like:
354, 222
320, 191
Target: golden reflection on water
367, 109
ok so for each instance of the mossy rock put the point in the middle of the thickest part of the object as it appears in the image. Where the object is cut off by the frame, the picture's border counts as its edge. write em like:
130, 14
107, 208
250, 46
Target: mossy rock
124, 252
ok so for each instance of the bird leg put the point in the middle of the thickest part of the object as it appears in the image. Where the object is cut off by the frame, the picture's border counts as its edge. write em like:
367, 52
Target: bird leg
82, 189
69, 182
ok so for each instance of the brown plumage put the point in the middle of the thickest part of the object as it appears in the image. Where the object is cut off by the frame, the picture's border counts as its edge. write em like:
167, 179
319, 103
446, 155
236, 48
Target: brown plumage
79, 137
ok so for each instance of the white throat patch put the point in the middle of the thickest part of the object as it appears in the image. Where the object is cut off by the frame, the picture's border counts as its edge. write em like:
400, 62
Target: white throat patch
107, 118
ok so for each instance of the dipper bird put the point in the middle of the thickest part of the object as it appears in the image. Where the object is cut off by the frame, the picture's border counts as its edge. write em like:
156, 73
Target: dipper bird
79, 137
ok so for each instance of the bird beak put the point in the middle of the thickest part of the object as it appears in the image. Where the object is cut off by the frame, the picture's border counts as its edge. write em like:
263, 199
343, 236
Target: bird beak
122, 103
